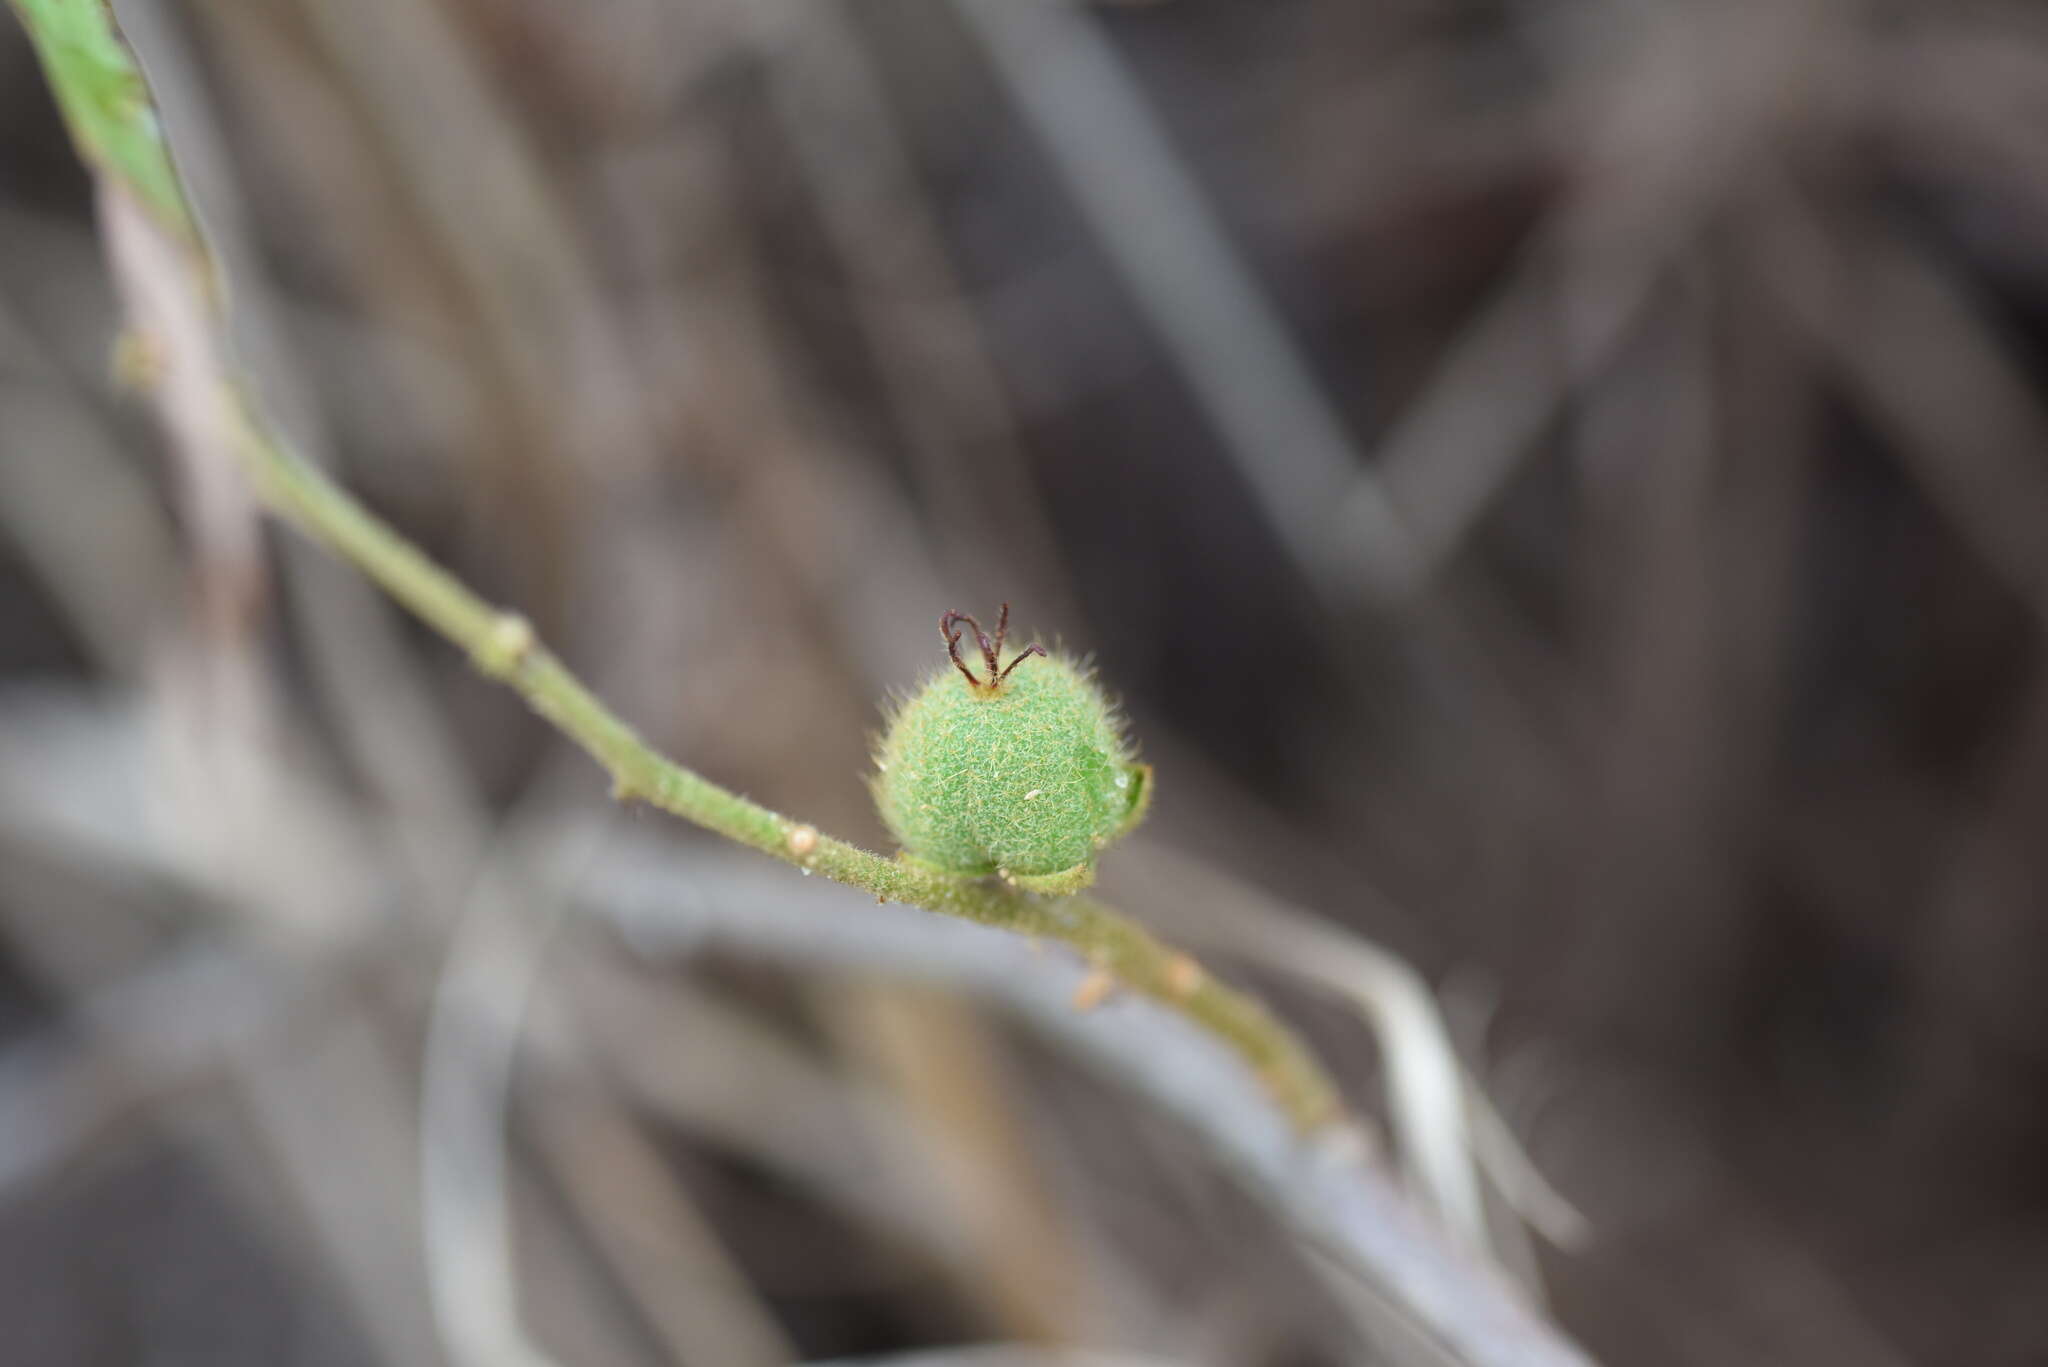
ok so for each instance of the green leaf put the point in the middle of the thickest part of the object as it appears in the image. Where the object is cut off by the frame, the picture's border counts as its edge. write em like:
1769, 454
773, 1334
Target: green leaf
106, 103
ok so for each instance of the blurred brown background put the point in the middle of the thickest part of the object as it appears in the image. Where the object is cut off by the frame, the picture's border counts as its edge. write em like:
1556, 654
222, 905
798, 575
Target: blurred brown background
1561, 487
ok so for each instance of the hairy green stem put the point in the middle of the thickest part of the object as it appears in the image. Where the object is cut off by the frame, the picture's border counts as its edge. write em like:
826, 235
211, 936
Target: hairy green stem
502, 645
114, 122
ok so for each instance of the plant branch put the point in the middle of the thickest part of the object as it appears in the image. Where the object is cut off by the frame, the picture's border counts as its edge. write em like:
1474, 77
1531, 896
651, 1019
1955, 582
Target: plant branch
168, 278
503, 646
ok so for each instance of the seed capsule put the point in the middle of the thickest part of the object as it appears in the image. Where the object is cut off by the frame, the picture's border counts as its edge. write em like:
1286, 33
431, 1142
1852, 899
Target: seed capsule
1026, 771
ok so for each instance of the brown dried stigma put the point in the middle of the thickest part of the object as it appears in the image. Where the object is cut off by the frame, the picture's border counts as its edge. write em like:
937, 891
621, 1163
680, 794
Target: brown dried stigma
991, 651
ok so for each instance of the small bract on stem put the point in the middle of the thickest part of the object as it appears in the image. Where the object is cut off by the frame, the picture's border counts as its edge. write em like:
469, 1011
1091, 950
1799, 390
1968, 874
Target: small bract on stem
991, 652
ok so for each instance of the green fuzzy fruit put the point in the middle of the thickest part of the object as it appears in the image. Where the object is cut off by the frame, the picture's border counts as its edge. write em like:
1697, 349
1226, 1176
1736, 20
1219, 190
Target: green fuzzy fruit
1027, 779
